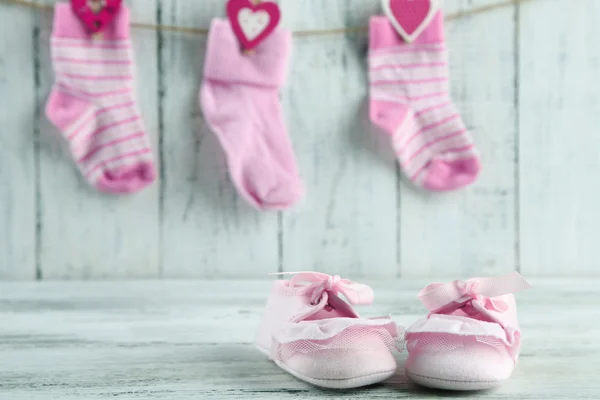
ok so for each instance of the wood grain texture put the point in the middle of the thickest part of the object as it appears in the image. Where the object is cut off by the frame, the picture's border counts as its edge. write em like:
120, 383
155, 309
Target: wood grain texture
559, 145
347, 223
86, 234
17, 137
524, 78
208, 230
471, 232
193, 340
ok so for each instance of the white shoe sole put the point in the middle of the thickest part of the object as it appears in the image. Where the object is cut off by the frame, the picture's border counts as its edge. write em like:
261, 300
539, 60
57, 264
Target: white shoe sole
348, 383
448, 384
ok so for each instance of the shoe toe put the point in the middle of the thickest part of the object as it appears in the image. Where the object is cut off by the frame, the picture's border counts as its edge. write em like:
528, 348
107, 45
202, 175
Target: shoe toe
475, 366
344, 368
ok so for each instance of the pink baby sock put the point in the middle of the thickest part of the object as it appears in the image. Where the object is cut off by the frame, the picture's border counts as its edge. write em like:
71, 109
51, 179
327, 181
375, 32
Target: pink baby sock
410, 101
92, 103
240, 100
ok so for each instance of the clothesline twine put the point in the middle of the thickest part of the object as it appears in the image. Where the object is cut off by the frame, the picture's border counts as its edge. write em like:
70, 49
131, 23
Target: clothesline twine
317, 32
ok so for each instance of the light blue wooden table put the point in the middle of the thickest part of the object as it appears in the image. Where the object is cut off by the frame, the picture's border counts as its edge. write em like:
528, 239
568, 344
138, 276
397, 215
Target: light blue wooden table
192, 340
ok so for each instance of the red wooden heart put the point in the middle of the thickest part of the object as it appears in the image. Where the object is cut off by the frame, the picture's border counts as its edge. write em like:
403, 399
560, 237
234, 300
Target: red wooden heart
252, 22
96, 14
410, 17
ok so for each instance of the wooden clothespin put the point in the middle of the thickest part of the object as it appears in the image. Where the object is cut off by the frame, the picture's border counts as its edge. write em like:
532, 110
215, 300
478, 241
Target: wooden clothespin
251, 51
410, 17
96, 14
252, 21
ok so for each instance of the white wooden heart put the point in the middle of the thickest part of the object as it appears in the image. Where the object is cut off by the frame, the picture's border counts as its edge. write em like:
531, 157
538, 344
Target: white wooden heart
253, 23
396, 11
96, 5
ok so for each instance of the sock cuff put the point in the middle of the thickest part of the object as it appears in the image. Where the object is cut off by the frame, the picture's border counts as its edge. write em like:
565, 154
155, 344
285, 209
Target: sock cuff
67, 24
382, 33
265, 66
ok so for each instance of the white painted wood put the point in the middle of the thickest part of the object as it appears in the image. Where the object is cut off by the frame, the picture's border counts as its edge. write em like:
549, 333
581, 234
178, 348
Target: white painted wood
347, 222
534, 204
180, 340
471, 232
208, 230
86, 234
17, 138
559, 143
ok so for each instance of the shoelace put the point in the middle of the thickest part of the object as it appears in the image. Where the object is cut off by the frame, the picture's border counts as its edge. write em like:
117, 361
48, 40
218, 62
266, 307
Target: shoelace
458, 293
355, 293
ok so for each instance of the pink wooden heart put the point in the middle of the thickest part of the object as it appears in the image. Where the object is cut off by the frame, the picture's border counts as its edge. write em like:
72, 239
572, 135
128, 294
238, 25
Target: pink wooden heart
96, 14
252, 21
410, 17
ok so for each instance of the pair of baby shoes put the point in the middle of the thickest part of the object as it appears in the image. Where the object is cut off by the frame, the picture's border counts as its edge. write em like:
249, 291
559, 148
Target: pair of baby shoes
470, 339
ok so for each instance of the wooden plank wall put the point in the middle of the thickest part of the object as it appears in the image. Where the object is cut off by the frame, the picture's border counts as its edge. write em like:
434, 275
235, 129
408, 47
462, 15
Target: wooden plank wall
524, 77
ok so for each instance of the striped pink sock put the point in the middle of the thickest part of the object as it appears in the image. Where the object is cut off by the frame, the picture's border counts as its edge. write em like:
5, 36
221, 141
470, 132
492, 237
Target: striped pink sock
92, 103
410, 100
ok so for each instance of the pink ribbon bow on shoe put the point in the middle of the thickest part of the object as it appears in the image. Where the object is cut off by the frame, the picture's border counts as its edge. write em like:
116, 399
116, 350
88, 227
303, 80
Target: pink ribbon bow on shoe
355, 293
453, 295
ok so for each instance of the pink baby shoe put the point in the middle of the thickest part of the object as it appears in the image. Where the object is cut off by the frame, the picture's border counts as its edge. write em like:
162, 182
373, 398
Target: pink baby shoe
311, 332
470, 340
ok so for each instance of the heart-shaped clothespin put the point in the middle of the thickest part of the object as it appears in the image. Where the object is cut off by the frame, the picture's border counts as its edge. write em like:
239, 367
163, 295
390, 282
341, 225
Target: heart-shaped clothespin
410, 17
96, 14
252, 20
